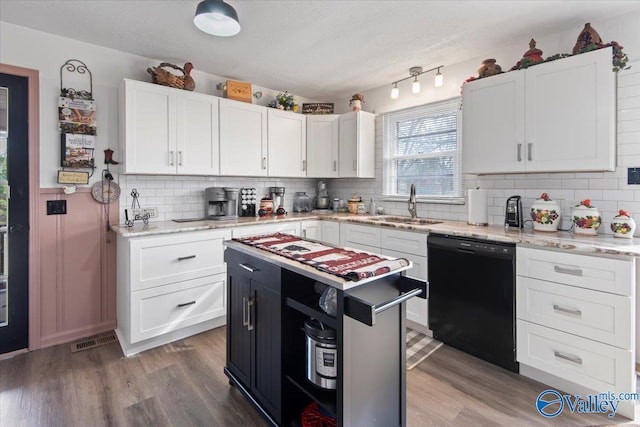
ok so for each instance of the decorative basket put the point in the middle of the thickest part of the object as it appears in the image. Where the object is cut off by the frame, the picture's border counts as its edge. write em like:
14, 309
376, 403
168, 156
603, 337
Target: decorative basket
163, 77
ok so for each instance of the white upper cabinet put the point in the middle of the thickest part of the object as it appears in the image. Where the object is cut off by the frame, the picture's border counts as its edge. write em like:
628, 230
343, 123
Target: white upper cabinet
198, 139
322, 145
287, 144
167, 131
356, 152
148, 128
493, 123
243, 139
552, 117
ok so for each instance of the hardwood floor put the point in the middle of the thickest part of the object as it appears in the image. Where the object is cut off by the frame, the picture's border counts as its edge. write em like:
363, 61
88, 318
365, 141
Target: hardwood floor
182, 384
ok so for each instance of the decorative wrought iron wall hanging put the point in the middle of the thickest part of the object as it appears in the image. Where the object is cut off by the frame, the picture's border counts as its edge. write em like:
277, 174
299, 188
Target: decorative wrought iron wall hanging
76, 114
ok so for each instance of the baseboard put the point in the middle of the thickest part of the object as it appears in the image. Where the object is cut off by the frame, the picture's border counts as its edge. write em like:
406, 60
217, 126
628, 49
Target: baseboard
419, 327
76, 334
129, 349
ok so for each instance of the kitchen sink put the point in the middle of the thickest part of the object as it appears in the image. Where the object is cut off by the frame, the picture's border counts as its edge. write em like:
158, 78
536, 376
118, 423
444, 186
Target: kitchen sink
407, 220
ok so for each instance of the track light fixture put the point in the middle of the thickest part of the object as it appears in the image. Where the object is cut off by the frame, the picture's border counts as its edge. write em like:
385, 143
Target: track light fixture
414, 72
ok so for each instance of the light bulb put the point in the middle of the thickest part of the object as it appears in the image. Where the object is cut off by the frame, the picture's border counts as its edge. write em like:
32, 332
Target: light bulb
395, 92
415, 86
439, 79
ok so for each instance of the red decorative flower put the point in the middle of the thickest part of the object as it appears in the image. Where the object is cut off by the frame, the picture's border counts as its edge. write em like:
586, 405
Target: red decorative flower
586, 202
622, 212
545, 197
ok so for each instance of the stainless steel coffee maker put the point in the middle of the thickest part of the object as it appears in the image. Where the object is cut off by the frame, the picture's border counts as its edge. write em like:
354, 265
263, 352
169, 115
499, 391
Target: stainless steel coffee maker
221, 203
277, 195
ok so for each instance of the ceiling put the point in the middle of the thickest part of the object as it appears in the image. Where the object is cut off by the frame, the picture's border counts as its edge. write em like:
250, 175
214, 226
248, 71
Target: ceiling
322, 50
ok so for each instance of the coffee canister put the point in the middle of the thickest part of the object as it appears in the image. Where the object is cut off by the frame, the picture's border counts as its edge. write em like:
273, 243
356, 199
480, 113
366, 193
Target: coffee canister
478, 212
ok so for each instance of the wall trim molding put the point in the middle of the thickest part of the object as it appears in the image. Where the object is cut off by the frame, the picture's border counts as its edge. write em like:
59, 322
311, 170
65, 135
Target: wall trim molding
33, 77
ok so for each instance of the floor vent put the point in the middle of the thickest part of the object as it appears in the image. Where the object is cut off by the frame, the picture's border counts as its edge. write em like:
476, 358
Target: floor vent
92, 342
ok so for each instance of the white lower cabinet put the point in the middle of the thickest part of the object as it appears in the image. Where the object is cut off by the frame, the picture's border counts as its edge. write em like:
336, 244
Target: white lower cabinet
289, 227
169, 287
156, 311
330, 232
311, 229
399, 244
576, 322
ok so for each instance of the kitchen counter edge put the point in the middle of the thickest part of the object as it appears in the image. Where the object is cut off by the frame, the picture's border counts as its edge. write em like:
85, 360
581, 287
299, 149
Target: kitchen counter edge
600, 245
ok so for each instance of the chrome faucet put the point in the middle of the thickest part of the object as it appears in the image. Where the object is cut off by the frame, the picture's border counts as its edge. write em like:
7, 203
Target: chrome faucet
412, 202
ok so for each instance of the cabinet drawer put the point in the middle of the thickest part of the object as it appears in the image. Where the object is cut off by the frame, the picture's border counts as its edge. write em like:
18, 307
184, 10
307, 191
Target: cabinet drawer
164, 309
362, 234
157, 261
330, 232
404, 241
289, 227
602, 274
588, 363
419, 269
591, 314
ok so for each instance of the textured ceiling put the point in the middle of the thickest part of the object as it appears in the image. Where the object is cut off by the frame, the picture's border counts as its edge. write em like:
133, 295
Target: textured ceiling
317, 49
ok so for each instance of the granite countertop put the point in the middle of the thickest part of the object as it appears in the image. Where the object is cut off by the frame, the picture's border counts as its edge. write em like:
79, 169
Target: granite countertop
602, 245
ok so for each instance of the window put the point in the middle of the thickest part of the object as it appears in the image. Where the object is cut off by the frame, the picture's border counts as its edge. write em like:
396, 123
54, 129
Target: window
421, 145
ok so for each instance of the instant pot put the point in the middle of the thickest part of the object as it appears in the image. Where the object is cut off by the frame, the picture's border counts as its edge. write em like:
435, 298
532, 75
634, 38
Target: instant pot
322, 354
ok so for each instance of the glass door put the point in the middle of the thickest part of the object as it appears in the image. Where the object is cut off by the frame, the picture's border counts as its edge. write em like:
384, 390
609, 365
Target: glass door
14, 213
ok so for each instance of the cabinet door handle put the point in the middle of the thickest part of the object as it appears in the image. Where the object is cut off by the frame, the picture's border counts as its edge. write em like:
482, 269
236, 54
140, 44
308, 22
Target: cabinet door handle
249, 306
249, 267
264, 163
304, 233
556, 307
354, 165
519, 152
245, 320
182, 258
180, 158
304, 165
571, 358
564, 270
335, 165
184, 304
171, 158
529, 149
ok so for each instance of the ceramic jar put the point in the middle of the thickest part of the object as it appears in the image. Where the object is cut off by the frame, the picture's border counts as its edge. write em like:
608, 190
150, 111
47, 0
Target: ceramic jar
586, 218
623, 225
353, 204
545, 214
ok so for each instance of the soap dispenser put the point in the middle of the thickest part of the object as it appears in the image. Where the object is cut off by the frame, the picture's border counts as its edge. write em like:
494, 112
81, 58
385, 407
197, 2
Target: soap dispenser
372, 207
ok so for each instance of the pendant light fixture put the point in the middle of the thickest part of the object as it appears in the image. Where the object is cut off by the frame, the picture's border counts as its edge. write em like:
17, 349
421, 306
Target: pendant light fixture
217, 18
414, 72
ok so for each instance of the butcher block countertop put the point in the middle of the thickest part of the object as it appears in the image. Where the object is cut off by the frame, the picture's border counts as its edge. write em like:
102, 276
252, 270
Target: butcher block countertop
601, 245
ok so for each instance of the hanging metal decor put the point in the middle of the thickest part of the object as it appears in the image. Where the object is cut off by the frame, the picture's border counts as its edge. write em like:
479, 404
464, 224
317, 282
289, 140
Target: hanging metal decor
76, 66
77, 117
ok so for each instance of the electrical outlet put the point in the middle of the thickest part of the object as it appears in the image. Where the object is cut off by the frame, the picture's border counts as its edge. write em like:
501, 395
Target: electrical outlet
140, 213
56, 207
633, 176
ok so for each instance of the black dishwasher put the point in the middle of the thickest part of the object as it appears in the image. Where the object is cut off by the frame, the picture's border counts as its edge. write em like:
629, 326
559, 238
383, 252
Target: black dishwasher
472, 297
